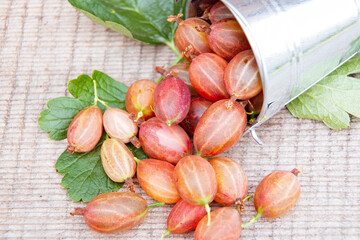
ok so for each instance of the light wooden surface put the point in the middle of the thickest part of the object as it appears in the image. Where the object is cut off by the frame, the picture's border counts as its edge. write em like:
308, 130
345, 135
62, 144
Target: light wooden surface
45, 43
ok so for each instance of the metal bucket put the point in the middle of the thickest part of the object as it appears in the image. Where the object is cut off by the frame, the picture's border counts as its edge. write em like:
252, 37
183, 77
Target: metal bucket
296, 43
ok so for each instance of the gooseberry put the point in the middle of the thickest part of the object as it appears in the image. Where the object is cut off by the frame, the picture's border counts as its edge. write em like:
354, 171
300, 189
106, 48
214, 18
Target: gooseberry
85, 130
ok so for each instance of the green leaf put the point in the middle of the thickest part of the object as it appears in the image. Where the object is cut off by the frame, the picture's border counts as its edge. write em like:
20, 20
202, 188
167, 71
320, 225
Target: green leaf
332, 99
138, 152
57, 118
84, 174
145, 21
109, 90
82, 88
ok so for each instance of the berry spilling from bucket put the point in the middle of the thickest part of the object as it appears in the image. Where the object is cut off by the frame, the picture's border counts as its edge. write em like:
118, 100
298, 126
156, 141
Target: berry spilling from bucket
156, 179
198, 107
171, 100
118, 162
85, 130
226, 38
226, 224
186, 34
211, 95
114, 212
232, 181
242, 78
184, 217
218, 12
119, 125
219, 128
140, 99
163, 142
206, 73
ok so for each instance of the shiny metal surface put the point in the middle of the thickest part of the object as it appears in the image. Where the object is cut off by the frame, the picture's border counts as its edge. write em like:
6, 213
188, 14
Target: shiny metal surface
296, 43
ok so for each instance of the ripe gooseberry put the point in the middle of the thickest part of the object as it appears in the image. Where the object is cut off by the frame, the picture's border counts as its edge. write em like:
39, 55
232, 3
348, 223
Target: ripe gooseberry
187, 35
181, 71
218, 12
139, 99
242, 78
163, 142
171, 100
205, 4
195, 181
226, 38
225, 224
156, 178
115, 212
119, 125
253, 107
232, 181
183, 218
206, 73
118, 162
85, 130
276, 194
197, 108
255, 103
219, 128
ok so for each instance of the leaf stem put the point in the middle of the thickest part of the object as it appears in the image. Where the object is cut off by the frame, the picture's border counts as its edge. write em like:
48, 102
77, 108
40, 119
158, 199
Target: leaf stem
178, 54
177, 61
173, 47
104, 103
96, 98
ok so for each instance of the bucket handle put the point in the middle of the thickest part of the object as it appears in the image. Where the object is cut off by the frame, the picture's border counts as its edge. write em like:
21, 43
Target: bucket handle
255, 137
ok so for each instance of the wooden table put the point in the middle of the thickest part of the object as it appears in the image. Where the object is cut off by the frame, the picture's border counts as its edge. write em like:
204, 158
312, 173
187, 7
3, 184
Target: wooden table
45, 43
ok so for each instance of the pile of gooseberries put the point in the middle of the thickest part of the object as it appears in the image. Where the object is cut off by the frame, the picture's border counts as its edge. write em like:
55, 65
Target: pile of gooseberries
206, 102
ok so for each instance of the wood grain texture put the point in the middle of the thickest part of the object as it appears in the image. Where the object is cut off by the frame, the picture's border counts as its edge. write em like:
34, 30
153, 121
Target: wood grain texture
45, 43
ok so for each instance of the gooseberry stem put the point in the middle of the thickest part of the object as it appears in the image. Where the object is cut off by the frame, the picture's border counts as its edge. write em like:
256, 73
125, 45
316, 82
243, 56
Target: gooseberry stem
137, 160
248, 197
254, 219
165, 234
240, 203
150, 206
130, 185
135, 141
208, 210
78, 211
250, 113
139, 115
296, 171
155, 204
